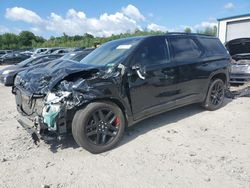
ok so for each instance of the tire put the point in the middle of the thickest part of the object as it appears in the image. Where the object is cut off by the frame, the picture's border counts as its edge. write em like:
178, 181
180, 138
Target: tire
87, 125
213, 99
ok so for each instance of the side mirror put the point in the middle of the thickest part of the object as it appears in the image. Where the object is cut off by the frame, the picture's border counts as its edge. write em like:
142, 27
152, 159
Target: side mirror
139, 71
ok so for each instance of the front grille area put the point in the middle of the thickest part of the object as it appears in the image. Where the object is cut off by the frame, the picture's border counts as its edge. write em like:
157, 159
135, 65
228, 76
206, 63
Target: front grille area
28, 105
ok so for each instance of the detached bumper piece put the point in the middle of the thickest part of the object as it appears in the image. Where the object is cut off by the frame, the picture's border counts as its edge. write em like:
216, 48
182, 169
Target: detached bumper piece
235, 92
36, 129
30, 127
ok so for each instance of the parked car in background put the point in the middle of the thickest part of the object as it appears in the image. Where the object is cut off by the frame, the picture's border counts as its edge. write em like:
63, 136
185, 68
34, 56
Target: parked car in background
63, 51
27, 53
239, 49
39, 51
120, 83
8, 74
77, 55
3, 52
12, 58
51, 50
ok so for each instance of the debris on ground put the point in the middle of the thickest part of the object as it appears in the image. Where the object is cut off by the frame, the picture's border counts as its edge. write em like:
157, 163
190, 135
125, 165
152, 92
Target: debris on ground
3, 160
240, 91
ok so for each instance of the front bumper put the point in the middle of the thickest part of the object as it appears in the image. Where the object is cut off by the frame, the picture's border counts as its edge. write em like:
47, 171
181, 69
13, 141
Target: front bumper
31, 109
30, 126
239, 78
29, 106
37, 130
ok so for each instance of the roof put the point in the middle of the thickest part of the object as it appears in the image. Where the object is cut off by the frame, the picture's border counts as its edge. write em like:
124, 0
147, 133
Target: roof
234, 17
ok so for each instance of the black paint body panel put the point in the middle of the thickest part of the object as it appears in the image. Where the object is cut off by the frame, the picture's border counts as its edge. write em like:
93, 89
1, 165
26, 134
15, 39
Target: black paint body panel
165, 86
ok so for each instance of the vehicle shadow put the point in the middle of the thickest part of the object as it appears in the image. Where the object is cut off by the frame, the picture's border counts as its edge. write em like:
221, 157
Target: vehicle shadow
65, 143
140, 128
163, 119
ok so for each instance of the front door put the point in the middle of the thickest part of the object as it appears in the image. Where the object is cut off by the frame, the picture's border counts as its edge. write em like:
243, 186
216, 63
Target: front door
152, 78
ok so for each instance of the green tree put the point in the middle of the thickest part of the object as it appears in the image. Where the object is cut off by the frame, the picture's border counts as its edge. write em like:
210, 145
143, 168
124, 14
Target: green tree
187, 30
39, 39
9, 41
209, 31
26, 38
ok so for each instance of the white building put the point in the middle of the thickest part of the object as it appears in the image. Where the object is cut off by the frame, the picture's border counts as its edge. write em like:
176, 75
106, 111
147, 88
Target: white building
234, 27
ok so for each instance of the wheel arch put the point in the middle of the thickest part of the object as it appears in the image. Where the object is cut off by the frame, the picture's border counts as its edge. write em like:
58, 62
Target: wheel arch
117, 102
221, 74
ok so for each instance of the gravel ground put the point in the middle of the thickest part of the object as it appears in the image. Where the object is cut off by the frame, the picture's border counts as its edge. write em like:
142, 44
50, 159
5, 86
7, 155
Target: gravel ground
187, 147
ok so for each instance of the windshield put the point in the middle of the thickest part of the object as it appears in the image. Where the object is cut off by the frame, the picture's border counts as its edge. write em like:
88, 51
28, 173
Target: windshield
112, 52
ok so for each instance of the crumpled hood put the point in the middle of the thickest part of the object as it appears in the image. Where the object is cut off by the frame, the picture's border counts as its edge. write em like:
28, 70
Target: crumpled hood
238, 46
40, 80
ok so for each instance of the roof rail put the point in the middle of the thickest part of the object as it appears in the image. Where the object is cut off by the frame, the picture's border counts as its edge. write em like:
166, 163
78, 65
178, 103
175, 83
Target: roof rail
184, 33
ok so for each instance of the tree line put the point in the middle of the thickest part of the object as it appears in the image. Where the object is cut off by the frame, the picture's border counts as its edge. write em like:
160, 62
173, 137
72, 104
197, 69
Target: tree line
27, 39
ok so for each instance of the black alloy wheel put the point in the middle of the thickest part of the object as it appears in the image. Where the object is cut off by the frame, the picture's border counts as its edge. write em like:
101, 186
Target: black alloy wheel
215, 96
99, 126
217, 93
102, 127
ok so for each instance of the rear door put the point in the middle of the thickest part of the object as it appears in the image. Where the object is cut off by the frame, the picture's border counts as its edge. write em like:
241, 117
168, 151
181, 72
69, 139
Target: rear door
188, 55
152, 78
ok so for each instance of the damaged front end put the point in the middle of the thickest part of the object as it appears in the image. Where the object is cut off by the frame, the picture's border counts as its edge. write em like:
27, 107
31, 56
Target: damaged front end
50, 103
61, 103
54, 110
44, 116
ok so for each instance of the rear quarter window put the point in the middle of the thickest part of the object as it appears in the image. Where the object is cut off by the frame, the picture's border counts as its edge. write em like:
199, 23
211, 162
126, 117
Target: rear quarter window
213, 46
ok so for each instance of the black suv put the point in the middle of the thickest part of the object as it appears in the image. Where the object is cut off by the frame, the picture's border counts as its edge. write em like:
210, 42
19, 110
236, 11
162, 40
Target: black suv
120, 83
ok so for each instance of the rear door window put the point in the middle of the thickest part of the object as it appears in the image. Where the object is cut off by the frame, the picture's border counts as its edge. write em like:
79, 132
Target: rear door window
185, 49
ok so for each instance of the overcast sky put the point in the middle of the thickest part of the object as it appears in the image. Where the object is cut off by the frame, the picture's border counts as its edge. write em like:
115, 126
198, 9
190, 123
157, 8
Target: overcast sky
104, 18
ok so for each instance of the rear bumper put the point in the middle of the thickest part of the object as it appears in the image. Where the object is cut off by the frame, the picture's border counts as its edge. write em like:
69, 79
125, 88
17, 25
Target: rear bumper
239, 78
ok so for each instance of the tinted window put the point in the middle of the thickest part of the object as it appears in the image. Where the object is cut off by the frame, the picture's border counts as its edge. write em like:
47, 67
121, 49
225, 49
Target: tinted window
152, 51
212, 46
185, 49
43, 50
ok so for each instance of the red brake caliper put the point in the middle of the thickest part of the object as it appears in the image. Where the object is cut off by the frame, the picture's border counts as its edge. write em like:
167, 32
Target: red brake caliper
117, 121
